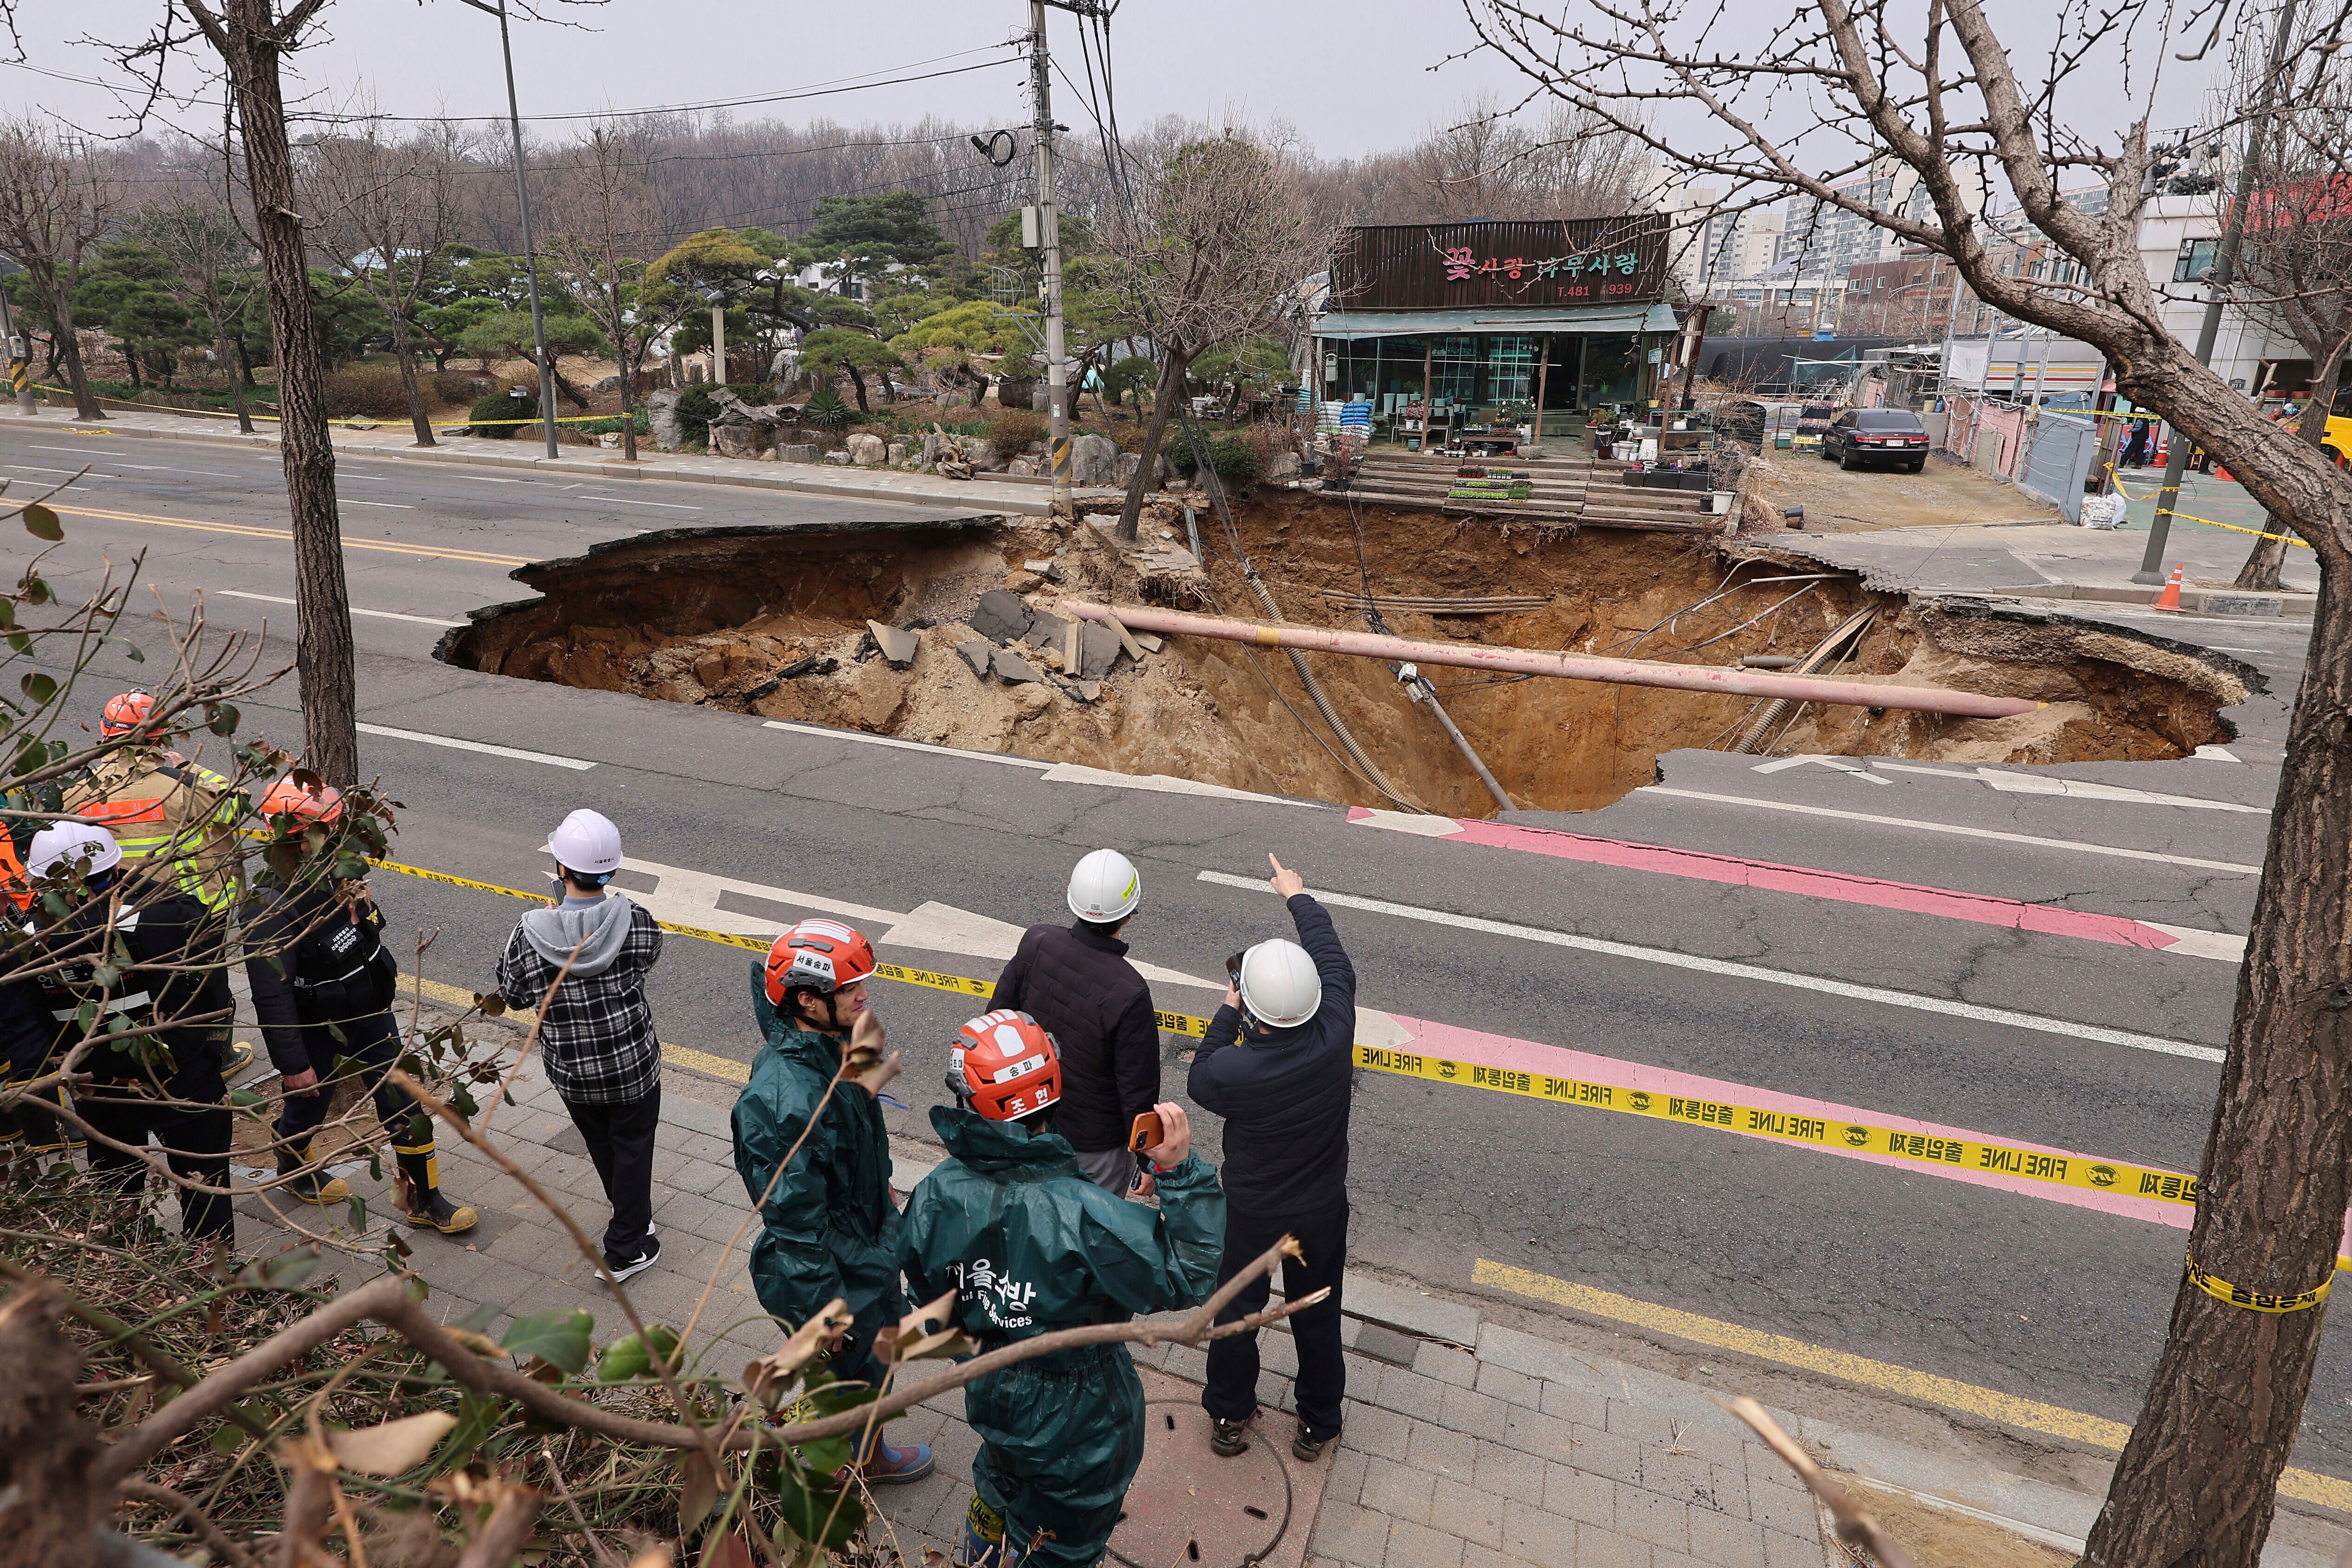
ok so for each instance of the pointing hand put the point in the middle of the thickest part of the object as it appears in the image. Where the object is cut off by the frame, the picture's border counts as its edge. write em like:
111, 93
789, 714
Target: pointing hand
1286, 881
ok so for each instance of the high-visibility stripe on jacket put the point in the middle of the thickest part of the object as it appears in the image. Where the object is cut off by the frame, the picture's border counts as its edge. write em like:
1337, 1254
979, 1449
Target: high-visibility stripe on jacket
159, 807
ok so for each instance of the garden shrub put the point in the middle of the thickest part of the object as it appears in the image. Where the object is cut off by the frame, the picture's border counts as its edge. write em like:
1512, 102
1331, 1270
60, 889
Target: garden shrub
365, 391
1013, 429
500, 406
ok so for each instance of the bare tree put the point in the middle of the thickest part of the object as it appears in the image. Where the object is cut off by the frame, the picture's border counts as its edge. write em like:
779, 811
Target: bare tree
2292, 103
252, 37
1215, 240
212, 270
380, 213
54, 208
603, 216
1833, 94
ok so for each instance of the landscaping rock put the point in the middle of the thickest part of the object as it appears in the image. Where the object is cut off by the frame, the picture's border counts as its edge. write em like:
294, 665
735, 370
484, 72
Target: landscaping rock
800, 452
610, 439
1012, 669
897, 456
661, 415
977, 653
840, 457
1123, 470
1000, 617
866, 448
610, 383
1094, 459
1281, 466
982, 456
1021, 467
898, 644
734, 440
1099, 649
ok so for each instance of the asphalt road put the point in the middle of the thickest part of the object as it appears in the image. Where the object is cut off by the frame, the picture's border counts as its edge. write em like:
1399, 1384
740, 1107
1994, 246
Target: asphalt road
2012, 1291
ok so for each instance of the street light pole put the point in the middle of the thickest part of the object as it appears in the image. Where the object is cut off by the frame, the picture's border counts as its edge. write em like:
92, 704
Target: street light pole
2225, 269
530, 251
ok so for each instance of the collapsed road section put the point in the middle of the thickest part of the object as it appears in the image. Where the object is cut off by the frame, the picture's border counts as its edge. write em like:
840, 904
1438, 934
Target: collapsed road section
969, 633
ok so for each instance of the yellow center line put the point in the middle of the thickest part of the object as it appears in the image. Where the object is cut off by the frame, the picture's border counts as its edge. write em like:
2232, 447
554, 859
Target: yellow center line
2030, 1415
245, 531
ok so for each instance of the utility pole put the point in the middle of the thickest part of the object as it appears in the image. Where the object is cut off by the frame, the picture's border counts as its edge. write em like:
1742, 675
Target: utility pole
2225, 269
1049, 251
530, 251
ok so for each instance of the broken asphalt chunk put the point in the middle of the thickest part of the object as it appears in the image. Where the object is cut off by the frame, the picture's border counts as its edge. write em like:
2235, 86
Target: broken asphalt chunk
1012, 669
1000, 617
897, 644
1045, 630
1098, 648
976, 654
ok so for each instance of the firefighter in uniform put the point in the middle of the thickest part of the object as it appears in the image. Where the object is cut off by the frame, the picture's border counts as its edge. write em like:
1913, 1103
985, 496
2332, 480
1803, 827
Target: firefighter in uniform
322, 987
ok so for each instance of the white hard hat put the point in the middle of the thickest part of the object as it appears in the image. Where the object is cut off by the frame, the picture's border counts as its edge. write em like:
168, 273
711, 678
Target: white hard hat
60, 844
586, 842
1104, 888
1279, 984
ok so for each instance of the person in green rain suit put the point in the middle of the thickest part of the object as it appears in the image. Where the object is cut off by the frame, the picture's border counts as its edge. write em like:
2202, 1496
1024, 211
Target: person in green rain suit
1013, 1225
827, 1228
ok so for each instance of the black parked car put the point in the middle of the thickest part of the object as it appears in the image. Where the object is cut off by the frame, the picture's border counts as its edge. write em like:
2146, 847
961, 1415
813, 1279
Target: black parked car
1892, 436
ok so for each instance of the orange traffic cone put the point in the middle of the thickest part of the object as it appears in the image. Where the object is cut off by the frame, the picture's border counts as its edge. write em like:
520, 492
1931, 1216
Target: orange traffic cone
2171, 598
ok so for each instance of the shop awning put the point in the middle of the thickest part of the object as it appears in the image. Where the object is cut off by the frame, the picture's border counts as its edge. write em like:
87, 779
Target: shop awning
1341, 325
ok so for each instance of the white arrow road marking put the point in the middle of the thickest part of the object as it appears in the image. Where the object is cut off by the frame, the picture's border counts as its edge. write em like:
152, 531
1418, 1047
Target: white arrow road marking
1077, 773
689, 898
1838, 764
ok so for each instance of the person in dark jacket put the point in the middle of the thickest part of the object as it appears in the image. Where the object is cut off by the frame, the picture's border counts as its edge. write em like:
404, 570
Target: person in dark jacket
596, 1030
1278, 1064
828, 1230
322, 983
165, 1084
1030, 1244
1077, 983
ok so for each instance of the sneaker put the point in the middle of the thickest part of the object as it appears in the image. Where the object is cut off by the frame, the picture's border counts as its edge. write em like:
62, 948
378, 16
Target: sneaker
647, 1256
1228, 1438
895, 1467
1307, 1446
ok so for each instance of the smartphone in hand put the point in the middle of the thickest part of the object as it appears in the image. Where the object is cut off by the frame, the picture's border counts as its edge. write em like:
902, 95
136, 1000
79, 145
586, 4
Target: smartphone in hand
1233, 971
1147, 1133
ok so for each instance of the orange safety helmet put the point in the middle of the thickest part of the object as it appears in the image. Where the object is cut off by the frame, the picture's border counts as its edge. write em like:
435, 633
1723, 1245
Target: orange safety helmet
125, 712
1005, 1065
12, 885
287, 798
817, 955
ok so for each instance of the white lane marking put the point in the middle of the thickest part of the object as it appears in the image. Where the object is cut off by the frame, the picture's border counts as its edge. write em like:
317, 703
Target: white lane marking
2216, 754
690, 898
1948, 828
1078, 773
395, 505
38, 468
486, 479
2193, 942
519, 756
1838, 764
2082, 789
1750, 972
380, 615
94, 451
862, 737
167, 469
625, 501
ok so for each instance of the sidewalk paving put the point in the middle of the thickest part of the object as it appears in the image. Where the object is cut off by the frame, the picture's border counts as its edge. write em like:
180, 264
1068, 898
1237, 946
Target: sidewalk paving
996, 494
1468, 1443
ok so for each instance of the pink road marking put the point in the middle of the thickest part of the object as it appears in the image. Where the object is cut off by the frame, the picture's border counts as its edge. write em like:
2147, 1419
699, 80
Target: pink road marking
1950, 903
1456, 1044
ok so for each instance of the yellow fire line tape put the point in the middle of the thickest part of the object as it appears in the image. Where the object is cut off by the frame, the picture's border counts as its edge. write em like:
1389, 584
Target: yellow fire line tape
2221, 1290
1855, 1137
2208, 522
963, 984
281, 419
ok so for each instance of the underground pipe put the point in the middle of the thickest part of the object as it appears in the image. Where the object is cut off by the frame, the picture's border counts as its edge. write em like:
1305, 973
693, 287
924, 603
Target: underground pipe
1569, 666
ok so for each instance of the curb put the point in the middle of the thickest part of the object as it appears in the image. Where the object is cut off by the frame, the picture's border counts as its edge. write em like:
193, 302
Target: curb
959, 499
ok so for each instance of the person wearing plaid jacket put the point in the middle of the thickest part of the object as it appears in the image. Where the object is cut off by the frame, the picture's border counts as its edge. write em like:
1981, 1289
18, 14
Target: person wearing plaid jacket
596, 1032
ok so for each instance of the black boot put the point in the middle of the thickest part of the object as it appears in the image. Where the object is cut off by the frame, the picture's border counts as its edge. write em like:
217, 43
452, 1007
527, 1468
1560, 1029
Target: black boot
418, 1189
310, 1181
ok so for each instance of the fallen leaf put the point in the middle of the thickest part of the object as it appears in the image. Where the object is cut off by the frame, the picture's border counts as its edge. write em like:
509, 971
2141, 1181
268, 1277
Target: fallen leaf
392, 1448
698, 1494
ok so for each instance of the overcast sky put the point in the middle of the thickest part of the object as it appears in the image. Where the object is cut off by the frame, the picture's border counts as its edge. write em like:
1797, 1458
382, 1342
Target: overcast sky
1352, 78
1361, 77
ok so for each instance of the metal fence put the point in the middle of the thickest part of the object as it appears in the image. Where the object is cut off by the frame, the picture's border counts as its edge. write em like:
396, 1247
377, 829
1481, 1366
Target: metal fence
2059, 452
